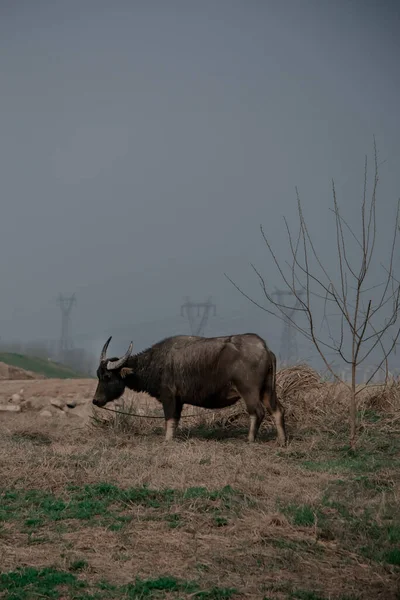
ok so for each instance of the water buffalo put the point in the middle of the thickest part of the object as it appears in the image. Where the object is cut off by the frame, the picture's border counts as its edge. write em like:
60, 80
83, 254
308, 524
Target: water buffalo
208, 372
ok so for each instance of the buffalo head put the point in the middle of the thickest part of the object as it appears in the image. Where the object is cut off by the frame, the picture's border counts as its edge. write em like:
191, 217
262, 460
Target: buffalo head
110, 374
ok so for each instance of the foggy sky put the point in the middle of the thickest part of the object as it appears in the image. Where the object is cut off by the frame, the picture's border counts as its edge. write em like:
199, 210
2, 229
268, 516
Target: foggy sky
143, 143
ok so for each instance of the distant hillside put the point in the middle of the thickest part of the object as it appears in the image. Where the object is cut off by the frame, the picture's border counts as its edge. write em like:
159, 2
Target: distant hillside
41, 366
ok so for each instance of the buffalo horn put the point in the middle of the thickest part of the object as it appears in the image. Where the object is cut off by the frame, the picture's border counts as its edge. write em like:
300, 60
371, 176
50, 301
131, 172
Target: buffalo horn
117, 364
104, 351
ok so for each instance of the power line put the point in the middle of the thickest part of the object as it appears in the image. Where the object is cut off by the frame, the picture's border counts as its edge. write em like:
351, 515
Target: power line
198, 326
65, 303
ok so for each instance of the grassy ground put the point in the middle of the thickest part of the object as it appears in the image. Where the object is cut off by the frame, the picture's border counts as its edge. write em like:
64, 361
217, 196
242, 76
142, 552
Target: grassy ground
113, 512
38, 365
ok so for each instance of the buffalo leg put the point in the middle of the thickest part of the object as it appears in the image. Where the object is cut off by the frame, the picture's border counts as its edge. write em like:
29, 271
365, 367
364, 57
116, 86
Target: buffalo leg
256, 413
271, 402
172, 413
275, 409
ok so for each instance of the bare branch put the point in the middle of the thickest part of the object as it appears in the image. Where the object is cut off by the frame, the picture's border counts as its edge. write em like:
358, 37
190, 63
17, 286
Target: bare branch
386, 354
308, 281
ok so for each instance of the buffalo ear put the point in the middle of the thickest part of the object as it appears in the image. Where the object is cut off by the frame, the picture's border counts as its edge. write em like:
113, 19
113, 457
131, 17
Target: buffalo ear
125, 371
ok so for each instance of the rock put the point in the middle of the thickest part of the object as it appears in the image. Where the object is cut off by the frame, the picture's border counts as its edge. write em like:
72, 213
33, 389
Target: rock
57, 403
10, 408
71, 403
45, 413
15, 399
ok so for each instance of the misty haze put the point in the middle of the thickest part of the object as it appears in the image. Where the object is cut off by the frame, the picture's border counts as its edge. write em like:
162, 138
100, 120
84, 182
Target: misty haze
143, 145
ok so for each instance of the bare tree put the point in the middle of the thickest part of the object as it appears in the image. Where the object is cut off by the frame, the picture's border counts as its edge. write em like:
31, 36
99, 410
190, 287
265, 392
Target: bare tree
365, 318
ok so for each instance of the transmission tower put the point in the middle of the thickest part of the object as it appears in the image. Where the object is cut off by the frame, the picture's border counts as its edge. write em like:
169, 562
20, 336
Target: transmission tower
65, 303
198, 325
288, 350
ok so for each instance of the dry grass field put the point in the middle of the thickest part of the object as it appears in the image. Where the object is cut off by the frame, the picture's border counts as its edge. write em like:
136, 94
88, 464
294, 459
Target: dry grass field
98, 506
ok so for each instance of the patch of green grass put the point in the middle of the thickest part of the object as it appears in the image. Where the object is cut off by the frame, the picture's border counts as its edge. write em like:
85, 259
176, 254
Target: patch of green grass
174, 520
354, 516
220, 521
108, 505
30, 582
374, 483
52, 583
364, 534
351, 512
78, 565
301, 515
349, 461
306, 595
376, 453
369, 416
381, 542
39, 365
392, 557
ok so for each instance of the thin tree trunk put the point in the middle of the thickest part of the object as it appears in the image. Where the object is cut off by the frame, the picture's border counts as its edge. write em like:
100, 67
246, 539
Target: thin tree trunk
353, 411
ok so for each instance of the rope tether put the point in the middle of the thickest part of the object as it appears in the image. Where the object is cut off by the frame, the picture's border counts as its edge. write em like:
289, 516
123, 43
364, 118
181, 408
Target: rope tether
120, 412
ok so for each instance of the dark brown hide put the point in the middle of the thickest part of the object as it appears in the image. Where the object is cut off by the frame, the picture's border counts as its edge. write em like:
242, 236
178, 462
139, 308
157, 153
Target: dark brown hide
207, 372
